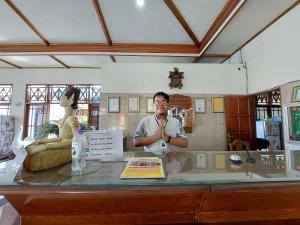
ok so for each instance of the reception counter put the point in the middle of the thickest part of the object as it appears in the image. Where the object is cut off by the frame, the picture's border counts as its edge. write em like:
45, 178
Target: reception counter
200, 187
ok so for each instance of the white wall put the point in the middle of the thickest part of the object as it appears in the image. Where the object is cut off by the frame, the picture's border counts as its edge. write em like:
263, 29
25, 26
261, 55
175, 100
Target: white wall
153, 77
272, 58
128, 78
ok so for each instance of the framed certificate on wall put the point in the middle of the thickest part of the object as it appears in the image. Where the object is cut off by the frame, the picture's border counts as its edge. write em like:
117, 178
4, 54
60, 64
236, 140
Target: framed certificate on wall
200, 105
149, 104
113, 104
217, 104
133, 104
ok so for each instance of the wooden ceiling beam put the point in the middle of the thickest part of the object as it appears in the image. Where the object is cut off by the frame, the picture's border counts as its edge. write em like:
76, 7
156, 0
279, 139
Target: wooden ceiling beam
102, 22
26, 20
128, 48
12, 64
215, 55
103, 25
59, 61
182, 21
113, 58
214, 31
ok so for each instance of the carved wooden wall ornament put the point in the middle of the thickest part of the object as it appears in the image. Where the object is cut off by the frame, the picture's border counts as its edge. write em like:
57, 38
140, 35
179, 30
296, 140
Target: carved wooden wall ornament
176, 77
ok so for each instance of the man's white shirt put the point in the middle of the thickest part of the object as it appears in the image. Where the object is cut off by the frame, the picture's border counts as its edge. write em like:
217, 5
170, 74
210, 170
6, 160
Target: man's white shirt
149, 126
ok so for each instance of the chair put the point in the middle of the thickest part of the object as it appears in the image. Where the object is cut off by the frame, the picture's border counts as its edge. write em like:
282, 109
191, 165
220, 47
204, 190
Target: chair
239, 145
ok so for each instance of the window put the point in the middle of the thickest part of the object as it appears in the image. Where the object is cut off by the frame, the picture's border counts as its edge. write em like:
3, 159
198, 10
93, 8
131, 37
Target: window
5, 99
42, 104
268, 104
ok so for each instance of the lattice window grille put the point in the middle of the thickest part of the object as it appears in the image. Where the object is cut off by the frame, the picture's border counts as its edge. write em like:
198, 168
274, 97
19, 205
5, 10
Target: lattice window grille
37, 94
5, 94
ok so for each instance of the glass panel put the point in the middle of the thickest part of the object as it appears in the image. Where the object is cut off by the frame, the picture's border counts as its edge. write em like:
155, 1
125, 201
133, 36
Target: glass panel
56, 112
94, 115
82, 113
181, 168
37, 116
5, 110
294, 123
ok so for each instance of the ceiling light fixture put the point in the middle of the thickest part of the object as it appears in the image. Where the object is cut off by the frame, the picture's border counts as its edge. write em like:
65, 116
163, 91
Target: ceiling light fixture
140, 3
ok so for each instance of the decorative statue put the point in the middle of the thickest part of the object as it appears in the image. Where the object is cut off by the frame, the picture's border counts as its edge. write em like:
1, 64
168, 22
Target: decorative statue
48, 153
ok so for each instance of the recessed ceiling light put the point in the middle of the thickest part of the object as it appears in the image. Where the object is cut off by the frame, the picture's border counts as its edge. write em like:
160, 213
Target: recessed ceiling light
140, 3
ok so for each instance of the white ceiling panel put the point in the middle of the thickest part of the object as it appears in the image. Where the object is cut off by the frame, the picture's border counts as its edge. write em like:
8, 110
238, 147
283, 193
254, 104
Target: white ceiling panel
84, 60
152, 23
64, 21
252, 17
154, 59
13, 29
5, 65
211, 60
32, 61
200, 14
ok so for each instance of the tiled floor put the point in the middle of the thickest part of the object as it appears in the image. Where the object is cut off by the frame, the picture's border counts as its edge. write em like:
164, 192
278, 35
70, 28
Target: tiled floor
8, 215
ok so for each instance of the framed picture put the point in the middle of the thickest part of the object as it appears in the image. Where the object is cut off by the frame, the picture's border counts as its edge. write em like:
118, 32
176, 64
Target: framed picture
113, 104
149, 104
200, 105
133, 104
220, 162
201, 160
296, 94
217, 104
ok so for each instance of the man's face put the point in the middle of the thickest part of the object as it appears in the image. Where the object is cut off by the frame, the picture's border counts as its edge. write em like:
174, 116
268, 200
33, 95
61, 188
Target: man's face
160, 105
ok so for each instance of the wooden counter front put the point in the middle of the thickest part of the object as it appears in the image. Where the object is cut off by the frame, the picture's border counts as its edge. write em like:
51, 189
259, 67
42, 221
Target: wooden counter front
266, 203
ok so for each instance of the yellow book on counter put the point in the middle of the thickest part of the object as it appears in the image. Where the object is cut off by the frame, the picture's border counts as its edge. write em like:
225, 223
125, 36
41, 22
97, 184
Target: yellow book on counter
143, 167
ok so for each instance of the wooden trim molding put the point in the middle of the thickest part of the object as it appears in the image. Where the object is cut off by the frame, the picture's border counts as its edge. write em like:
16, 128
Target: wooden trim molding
26, 20
102, 21
59, 61
113, 58
130, 48
12, 64
182, 21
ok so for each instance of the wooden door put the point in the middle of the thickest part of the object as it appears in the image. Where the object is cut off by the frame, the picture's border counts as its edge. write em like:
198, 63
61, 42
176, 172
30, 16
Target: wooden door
240, 119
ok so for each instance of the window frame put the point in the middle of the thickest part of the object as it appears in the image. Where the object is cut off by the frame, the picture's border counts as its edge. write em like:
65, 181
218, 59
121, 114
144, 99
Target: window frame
6, 104
49, 98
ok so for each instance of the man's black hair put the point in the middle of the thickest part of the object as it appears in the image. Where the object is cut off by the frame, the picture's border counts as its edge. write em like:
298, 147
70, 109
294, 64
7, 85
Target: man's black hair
160, 93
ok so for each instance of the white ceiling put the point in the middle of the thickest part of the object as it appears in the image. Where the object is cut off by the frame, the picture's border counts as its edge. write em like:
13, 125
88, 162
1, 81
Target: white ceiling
154, 23
13, 29
32, 61
84, 60
156, 59
5, 65
244, 25
208, 9
148, 34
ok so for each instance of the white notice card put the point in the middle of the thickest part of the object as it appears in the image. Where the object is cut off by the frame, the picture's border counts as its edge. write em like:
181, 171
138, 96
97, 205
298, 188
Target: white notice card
106, 145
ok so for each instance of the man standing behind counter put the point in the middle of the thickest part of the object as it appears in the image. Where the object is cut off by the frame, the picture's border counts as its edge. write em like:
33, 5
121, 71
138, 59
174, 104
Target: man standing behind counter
160, 133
